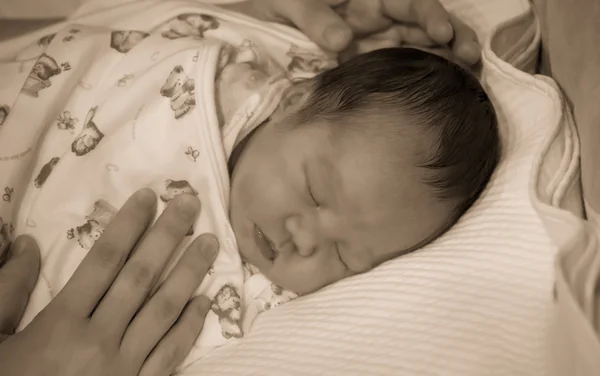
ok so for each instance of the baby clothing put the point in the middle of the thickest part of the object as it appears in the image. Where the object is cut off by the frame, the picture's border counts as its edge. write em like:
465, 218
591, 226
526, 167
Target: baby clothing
91, 114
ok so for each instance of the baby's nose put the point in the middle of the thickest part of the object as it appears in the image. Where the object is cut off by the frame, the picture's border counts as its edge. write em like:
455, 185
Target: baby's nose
303, 235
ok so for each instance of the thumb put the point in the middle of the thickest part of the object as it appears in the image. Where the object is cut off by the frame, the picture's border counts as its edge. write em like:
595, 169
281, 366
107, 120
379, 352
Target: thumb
315, 18
17, 279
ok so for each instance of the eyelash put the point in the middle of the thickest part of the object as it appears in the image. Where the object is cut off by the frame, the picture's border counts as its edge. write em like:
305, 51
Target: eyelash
337, 250
312, 197
335, 245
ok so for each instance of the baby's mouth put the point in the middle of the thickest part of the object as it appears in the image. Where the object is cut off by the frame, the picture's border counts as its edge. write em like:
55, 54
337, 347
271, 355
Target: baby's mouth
264, 244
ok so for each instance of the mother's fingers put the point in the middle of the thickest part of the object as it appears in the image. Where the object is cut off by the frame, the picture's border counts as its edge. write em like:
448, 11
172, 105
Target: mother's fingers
429, 14
17, 279
141, 272
101, 265
177, 343
441, 26
315, 18
464, 44
165, 306
394, 36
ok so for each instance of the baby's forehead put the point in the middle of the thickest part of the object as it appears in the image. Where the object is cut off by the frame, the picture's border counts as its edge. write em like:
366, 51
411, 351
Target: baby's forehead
366, 163
382, 138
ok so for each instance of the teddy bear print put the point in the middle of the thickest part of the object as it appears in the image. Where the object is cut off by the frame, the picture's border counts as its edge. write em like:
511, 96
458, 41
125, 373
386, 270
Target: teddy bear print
177, 187
95, 224
181, 91
190, 25
39, 77
227, 306
7, 195
89, 137
124, 40
45, 172
4, 110
66, 122
279, 296
305, 64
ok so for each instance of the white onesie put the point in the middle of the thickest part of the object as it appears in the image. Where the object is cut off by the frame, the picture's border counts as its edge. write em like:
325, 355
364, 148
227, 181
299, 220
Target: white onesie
91, 114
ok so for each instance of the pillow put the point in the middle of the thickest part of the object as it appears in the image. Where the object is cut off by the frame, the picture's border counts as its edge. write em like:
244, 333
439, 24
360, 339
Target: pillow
479, 300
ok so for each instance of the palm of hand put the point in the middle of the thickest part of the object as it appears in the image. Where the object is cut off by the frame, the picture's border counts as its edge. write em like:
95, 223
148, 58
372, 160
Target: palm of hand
66, 349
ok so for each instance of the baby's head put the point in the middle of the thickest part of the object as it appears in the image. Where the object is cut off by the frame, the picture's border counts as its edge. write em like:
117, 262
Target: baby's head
363, 163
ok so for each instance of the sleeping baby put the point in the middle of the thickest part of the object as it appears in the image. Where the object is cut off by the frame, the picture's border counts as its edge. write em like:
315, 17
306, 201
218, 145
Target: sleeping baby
308, 172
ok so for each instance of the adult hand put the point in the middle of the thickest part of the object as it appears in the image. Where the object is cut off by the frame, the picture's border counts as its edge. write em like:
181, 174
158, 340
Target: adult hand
362, 25
103, 321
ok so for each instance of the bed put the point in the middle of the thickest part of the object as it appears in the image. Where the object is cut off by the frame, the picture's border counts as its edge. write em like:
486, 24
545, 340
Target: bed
481, 300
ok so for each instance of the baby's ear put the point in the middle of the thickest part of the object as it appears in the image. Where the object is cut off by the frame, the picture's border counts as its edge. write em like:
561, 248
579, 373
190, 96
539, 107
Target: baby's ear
293, 98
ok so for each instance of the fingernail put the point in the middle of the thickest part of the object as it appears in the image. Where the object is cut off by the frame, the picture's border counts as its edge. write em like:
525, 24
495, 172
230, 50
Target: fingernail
337, 37
188, 205
145, 197
210, 248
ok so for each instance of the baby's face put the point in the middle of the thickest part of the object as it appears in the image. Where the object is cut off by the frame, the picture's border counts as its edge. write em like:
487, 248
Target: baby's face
309, 209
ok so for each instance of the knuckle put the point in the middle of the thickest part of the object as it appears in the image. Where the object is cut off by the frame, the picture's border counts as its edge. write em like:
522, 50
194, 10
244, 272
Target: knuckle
107, 255
140, 275
170, 356
171, 229
175, 229
167, 308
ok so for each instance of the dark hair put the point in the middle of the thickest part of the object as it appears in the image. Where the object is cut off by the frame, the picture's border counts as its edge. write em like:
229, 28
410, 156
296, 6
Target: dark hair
440, 95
